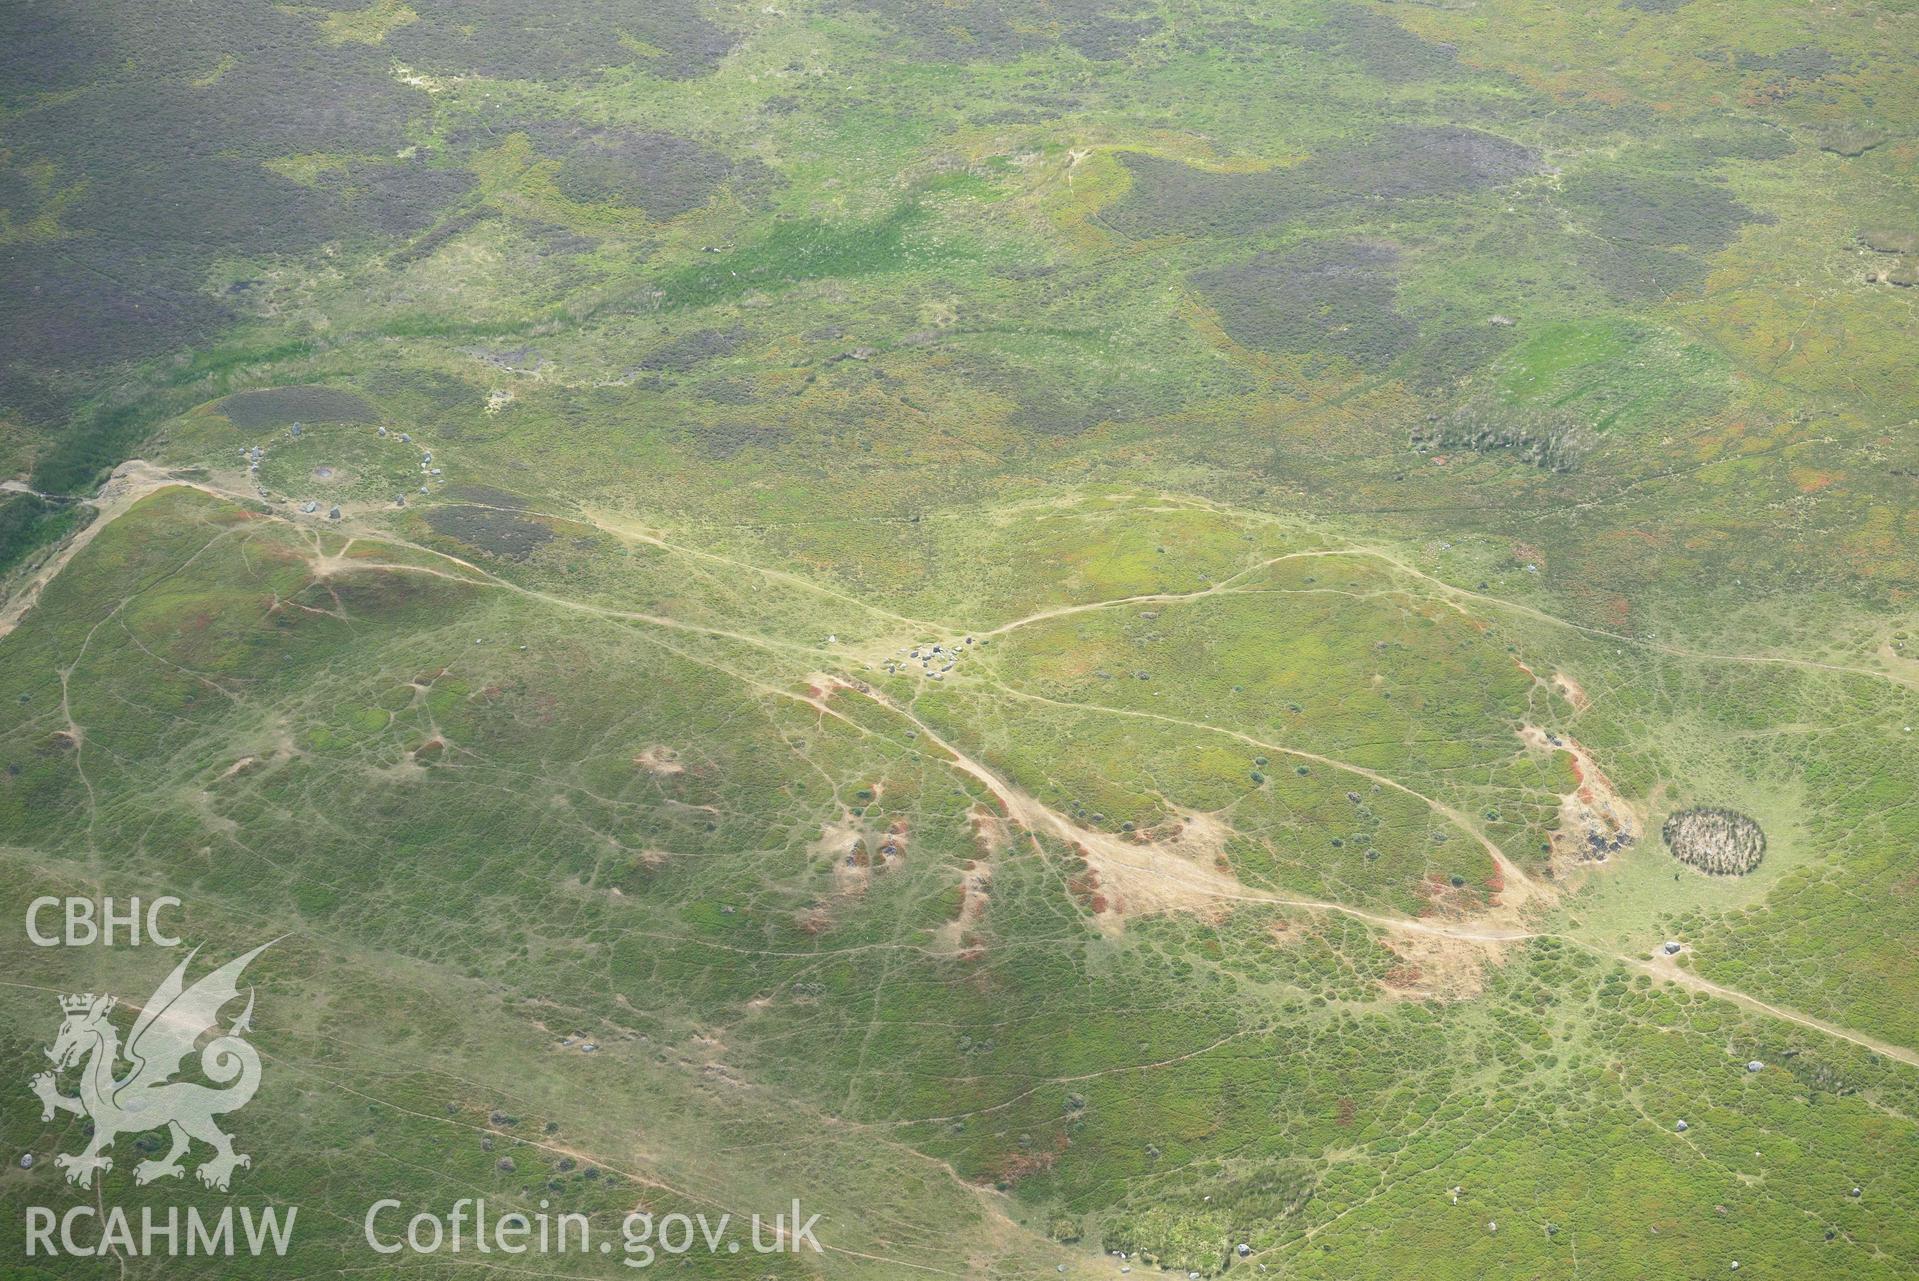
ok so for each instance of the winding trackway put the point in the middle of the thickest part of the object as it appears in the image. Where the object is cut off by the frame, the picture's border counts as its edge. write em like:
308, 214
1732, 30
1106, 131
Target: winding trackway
1677, 651
1663, 967
1035, 816
131, 481
1510, 871
136, 479
1225, 587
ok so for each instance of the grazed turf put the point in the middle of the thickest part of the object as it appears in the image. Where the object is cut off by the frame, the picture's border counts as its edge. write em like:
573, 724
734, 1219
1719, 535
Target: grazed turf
1362, 442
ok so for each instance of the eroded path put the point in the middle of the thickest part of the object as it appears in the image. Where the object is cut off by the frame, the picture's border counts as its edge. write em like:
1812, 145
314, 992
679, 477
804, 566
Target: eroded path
1183, 880
1452, 594
1166, 876
1222, 587
131, 481
1662, 966
1522, 887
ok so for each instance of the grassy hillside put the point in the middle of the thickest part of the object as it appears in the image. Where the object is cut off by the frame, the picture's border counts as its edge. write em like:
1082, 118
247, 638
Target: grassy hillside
1364, 468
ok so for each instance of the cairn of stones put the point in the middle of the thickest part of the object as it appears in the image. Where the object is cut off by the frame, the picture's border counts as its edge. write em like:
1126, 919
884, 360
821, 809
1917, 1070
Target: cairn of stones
1722, 842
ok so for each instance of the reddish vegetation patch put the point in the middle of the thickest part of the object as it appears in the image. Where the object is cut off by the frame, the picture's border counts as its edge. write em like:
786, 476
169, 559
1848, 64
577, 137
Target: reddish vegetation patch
1444, 898
1083, 885
277, 554
956, 940
1432, 968
988, 836
1594, 820
1347, 1111
1404, 976
430, 749
232, 515
1014, 1166
1809, 481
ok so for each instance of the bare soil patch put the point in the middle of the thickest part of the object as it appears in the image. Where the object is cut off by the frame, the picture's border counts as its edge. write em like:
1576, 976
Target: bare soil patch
1573, 691
660, 760
1595, 821
1433, 967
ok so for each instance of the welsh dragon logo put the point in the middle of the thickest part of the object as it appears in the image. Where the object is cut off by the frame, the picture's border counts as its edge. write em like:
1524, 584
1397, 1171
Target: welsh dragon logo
146, 1097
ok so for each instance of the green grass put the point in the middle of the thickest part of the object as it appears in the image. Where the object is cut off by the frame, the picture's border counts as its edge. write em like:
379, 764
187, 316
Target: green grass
29, 522
796, 252
574, 742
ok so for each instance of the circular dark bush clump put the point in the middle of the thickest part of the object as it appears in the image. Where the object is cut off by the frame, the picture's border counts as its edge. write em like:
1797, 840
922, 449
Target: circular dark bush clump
1722, 842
